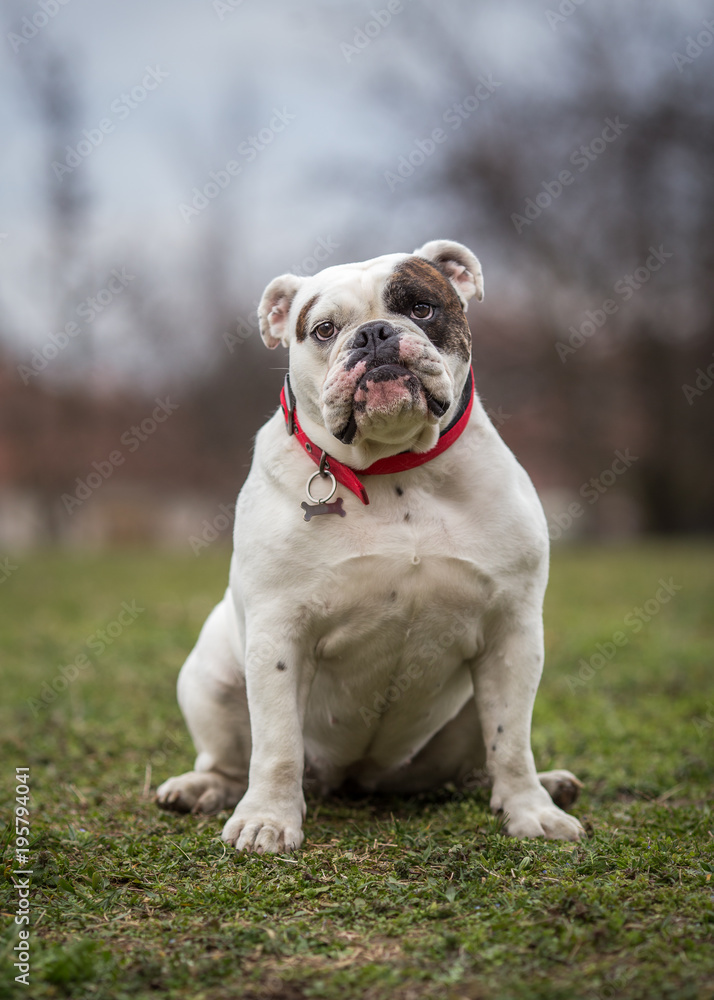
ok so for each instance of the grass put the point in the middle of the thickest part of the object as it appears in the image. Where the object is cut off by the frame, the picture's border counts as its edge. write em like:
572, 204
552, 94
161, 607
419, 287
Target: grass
399, 898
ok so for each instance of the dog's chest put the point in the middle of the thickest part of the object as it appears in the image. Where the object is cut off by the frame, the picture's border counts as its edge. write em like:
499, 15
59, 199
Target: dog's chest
403, 567
394, 623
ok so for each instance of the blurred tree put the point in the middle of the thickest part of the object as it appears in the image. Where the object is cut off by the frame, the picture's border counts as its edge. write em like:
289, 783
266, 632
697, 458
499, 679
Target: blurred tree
53, 90
636, 137
578, 381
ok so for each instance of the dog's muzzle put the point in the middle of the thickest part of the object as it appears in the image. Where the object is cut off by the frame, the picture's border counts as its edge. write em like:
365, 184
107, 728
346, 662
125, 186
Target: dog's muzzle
383, 381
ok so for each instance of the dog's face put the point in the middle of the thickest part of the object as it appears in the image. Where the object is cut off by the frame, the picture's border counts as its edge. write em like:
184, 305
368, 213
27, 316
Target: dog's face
380, 350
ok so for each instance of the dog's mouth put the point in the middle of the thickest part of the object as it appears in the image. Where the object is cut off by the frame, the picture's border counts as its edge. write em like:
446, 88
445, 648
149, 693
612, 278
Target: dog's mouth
385, 388
347, 434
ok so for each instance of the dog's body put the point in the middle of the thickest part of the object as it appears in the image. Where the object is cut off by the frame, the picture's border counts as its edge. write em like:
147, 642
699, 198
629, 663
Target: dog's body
399, 646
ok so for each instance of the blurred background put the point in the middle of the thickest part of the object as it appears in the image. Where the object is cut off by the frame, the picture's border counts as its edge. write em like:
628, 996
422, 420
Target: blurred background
162, 162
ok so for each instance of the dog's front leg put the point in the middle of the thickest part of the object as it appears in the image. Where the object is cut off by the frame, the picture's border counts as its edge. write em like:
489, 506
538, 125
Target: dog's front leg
269, 816
505, 683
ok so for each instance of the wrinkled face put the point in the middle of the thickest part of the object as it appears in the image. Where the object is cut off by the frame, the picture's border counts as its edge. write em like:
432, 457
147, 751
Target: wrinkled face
380, 350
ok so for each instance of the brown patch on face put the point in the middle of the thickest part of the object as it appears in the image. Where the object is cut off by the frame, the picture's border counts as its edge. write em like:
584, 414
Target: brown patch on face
418, 280
301, 330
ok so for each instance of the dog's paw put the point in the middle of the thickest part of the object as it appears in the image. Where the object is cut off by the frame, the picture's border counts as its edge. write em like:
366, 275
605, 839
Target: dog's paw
533, 814
263, 831
562, 786
199, 792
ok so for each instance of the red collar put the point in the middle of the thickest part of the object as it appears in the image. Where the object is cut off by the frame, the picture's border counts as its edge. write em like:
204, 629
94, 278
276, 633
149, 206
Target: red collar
384, 466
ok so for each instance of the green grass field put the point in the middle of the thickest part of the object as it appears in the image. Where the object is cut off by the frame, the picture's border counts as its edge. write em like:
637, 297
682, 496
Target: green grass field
394, 898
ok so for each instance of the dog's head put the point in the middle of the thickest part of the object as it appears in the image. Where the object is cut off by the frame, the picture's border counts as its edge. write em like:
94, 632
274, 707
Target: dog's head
380, 350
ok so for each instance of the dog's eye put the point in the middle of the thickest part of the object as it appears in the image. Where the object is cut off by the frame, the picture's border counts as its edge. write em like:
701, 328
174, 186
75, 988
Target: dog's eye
324, 331
422, 310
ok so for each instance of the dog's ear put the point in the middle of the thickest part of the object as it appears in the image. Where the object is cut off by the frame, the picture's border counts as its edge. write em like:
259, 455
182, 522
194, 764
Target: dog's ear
459, 265
274, 309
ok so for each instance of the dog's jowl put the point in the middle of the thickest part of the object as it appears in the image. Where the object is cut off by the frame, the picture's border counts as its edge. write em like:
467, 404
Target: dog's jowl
396, 641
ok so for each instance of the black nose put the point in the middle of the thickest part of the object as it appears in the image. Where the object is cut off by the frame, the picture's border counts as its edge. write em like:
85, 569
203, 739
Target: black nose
376, 337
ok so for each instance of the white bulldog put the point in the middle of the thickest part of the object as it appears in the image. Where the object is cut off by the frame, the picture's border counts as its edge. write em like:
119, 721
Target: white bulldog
393, 637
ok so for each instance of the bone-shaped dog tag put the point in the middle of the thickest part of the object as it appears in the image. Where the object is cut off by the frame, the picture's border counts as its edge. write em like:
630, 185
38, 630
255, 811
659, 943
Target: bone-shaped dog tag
313, 509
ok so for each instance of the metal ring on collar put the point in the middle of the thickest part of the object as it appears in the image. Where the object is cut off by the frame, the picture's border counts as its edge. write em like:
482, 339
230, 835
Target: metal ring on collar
329, 496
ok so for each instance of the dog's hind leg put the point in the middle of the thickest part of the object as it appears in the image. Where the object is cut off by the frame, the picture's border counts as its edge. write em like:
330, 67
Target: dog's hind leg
212, 696
562, 786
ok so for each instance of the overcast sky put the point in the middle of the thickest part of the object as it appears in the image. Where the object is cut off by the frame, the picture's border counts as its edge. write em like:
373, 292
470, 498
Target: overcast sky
228, 70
